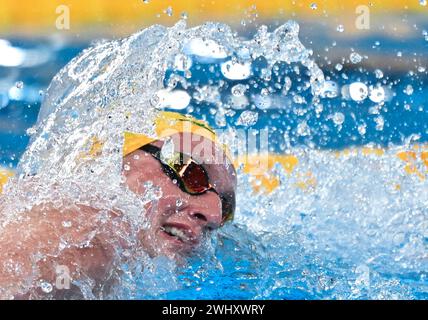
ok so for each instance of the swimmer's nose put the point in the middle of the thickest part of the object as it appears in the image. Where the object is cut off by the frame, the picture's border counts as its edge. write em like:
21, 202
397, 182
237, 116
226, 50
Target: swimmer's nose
208, 218
203, 210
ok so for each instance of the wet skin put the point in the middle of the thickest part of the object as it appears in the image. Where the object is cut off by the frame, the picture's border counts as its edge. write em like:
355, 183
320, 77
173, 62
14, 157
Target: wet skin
177, 223
189, 215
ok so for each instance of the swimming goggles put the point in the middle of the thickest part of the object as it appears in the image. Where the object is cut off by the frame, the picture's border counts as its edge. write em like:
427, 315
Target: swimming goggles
192, 178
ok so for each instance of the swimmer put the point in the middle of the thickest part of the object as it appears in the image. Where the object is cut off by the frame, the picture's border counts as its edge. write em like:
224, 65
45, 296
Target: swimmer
198, 184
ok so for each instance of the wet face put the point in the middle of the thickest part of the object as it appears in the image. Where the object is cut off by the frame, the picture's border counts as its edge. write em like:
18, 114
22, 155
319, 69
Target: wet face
178, 221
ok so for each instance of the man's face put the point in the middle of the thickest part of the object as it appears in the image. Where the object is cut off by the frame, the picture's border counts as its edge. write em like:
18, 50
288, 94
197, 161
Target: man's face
177, 220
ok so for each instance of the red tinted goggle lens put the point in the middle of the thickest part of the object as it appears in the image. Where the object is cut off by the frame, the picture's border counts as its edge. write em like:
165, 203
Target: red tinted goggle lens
193, 176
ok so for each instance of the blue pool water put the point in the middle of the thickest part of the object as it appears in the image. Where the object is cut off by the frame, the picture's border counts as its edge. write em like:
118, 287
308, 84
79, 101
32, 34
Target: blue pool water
299, 259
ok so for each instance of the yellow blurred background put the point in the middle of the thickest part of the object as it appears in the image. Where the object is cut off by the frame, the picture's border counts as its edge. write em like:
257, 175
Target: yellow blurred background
123, 16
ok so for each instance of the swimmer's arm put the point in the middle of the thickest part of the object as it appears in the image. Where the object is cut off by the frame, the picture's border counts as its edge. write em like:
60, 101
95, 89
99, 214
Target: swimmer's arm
32, 249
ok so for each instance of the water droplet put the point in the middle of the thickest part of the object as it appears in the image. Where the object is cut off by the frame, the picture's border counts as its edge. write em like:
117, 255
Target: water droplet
146, 1
182, 62
67, 224
46, 287
408, 90
399, 54
377, 94
167, 151
262, 102
380, 122
303, 129
235, 70
239, 103
206, 49
355, 57
31, 131
169, 12
126, 167
423, 2
179, 203
339, 67
287, 85
239, 90
378, 74
330, 89
363, 279
4, 99
19, 84
176, 99
184, 15
424, 32
264, 92
247, 118
299, 99
358, 91
340, 28
362, 129
314, 6
338, 118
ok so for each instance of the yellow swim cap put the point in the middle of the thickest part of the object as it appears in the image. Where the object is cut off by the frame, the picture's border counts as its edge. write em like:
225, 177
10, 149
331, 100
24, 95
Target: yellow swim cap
167, 124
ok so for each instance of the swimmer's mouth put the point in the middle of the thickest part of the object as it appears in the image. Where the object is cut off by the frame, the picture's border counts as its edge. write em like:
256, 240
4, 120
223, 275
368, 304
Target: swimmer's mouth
180, 233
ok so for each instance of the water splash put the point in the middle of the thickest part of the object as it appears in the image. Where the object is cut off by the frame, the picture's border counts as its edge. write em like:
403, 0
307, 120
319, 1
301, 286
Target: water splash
345, 230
